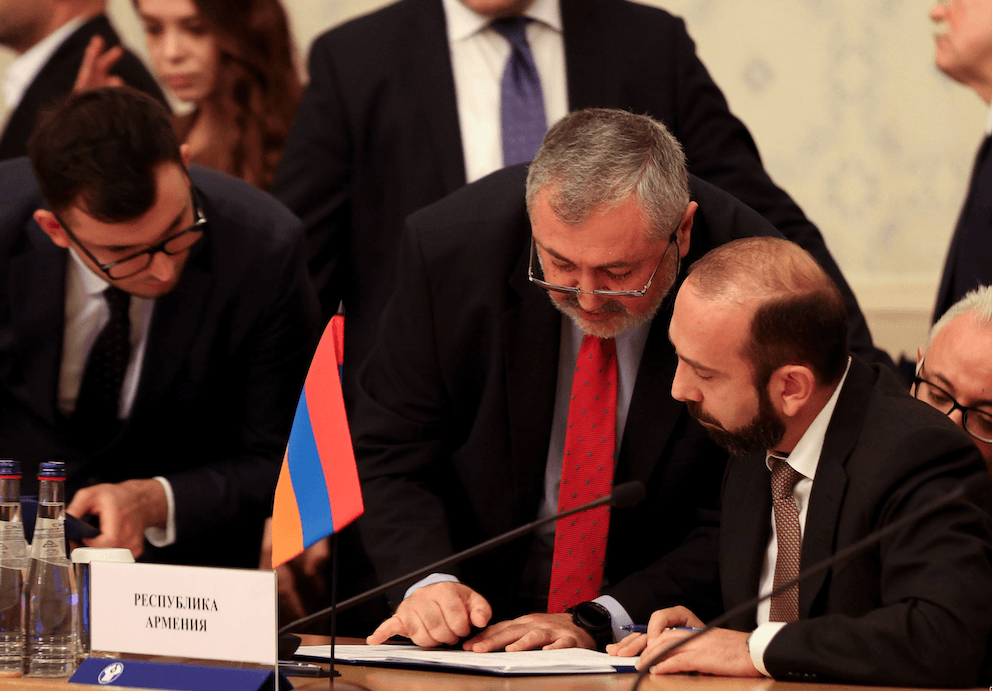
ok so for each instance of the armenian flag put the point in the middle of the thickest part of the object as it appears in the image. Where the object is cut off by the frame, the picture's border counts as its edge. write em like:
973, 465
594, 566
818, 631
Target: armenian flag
318, 491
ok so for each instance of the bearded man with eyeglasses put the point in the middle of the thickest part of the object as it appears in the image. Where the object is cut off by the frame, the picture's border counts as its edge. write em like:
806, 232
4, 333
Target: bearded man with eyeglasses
530, 305
156, 324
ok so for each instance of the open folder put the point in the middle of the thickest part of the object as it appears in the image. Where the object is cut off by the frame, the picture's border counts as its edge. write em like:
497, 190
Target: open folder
532, 662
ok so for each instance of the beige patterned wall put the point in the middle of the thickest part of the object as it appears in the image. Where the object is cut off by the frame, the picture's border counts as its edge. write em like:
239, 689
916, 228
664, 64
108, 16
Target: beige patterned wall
850, 116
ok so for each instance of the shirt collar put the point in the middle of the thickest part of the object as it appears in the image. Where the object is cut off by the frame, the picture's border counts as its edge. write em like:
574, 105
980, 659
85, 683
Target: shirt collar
91, 282
22, 72
806, 456
988, 124
463, 22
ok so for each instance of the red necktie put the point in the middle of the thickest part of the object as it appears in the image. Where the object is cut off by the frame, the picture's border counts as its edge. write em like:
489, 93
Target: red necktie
587, 474
785, 606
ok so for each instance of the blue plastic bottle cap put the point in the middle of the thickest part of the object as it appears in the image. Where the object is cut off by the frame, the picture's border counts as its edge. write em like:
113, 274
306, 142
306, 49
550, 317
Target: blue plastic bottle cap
51, 469
10, 468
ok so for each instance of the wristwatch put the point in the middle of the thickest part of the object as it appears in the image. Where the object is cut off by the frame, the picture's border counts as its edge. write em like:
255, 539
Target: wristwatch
594, 618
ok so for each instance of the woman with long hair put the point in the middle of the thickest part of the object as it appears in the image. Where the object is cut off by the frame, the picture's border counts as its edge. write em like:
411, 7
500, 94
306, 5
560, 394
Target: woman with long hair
231, 59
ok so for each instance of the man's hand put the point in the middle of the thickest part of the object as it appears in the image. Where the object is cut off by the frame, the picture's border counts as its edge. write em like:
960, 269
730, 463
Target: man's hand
435, 614
125, 510
532, 631
720, 652
94, 72
635, 643
300, 579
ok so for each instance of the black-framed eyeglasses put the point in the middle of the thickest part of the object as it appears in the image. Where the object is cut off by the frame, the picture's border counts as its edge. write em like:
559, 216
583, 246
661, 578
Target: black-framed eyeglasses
672, 240
977, 423
139, 261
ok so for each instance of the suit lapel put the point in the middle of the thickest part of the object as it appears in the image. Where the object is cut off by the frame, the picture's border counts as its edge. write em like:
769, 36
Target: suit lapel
531, 333
584, 67
37, 303
830, 484
744, 530
175, 325
653, 412
430, 88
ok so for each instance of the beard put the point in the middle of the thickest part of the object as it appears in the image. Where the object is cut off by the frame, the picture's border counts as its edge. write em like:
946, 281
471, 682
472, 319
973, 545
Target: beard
621, 318
763, 432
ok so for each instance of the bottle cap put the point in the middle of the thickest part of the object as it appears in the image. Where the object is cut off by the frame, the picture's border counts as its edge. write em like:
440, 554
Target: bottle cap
88, 555
51, 470
9, 468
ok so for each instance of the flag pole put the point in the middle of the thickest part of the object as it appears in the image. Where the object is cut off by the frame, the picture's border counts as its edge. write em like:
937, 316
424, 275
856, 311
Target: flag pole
334, 601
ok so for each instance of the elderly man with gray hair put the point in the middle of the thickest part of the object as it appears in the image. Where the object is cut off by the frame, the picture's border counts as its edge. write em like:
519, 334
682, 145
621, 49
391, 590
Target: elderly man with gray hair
522, 367
954, 370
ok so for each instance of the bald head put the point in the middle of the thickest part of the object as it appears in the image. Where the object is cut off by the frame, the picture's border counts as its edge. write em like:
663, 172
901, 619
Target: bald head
798, 314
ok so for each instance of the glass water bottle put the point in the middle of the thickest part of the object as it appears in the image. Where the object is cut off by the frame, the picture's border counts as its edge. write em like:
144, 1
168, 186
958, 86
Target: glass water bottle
50, 596
13, 565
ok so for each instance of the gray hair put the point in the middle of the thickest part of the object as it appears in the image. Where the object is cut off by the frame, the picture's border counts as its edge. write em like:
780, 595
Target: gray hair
977, 302
598, 157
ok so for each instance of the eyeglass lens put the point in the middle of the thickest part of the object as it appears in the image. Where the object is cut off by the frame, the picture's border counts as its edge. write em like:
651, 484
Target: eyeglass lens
976, 422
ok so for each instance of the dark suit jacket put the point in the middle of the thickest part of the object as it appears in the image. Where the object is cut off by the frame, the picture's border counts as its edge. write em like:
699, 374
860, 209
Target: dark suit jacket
227, 352
969, 257
377, 137
453, 420
58, 76
912, 611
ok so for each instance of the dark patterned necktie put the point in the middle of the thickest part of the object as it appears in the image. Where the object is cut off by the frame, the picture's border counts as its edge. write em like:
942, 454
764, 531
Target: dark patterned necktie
785, 606
521, 100
586, 475
99, 397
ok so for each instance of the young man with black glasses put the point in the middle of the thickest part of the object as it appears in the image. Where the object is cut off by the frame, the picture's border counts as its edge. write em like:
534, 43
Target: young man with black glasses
156, 324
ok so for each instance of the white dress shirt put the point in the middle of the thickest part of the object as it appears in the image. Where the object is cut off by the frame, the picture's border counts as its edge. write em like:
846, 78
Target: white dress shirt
478, 58
86, 313
804, 459
630, 347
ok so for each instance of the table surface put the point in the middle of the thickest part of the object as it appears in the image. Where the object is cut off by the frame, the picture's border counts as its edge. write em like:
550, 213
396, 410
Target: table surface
390, 679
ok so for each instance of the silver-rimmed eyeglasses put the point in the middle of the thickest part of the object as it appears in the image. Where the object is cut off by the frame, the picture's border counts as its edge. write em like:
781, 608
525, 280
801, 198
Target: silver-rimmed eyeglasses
569, 290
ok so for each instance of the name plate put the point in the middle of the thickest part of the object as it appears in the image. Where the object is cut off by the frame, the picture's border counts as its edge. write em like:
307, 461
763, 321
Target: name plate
184, 611
156, 675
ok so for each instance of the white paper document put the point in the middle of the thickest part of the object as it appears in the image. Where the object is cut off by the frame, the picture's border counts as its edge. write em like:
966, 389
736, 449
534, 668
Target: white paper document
534, 662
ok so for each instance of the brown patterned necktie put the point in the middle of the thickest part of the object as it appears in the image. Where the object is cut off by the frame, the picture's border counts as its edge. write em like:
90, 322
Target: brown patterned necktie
785, 606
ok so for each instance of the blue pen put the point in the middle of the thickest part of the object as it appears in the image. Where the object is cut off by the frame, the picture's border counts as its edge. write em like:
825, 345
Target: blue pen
641, 628
634, 628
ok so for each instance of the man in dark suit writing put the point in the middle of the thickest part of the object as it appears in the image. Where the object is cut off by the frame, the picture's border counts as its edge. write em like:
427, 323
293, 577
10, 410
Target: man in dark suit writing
464, 424
156, 323
826, 450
